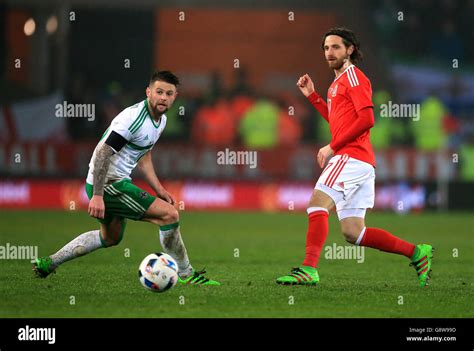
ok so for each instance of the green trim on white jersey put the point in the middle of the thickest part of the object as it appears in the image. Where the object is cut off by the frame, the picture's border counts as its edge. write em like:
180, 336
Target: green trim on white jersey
144, 113
141, 133
137, 147
138, 122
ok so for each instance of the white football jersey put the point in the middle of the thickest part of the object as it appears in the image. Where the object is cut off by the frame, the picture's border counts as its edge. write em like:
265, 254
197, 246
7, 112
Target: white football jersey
137, 126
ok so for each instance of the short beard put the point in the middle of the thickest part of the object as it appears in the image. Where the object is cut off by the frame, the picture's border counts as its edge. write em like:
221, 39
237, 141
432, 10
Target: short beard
342, 63
339, 65
159, 113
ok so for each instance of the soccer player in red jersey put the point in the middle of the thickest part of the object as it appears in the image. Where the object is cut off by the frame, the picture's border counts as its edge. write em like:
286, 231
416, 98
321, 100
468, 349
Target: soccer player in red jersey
348, 179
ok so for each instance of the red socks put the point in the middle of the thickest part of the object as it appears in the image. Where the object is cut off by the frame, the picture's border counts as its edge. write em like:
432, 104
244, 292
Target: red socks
384, 241
373, 237
316, 236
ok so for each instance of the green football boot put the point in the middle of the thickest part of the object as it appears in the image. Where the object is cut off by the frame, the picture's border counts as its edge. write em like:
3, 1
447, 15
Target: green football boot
198, 278
303, 275
421, 260
42, 267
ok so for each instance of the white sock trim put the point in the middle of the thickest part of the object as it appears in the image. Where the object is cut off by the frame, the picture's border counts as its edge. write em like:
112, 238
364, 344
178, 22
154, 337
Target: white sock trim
361, 235
310, 210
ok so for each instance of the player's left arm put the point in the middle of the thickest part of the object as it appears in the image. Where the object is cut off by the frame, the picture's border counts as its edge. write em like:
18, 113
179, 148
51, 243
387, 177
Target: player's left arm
146, 166
364, 121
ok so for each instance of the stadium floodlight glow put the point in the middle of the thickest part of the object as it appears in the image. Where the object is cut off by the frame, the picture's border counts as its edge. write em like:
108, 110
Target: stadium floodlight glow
52, 24
29, 27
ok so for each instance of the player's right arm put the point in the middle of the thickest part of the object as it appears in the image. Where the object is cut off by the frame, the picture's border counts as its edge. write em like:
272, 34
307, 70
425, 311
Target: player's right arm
116, 139
101, 166
306, 86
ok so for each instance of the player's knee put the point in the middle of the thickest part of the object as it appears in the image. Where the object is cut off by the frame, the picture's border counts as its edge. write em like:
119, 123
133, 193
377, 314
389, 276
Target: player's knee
107, 241
320, 199
172, 216
112, 240
117, 239
113, 234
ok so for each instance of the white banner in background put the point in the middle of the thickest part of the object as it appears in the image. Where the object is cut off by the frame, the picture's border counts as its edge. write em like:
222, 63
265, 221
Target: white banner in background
36, 120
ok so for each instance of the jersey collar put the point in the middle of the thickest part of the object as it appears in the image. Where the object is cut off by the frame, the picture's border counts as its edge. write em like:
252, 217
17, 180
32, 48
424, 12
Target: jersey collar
351, 65
151, 117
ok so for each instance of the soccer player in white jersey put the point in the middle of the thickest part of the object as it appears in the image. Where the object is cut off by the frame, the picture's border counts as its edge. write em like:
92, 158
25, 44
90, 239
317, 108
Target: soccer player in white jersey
127, 143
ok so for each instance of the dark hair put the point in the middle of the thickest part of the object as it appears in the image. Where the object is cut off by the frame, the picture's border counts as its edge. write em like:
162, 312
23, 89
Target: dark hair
164, 76
348, 38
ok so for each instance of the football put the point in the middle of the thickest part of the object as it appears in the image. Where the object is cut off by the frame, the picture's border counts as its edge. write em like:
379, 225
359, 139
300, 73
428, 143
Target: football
158, 272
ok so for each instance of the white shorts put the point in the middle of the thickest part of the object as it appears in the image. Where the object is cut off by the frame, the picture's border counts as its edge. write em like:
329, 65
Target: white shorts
350, 183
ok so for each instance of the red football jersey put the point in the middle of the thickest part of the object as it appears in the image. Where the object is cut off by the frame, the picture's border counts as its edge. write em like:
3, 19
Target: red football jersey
347, 95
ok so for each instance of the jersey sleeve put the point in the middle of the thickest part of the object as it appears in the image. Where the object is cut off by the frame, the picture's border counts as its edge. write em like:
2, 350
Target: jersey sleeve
359, 90
116, 141
363, 122
319, 104
122, 124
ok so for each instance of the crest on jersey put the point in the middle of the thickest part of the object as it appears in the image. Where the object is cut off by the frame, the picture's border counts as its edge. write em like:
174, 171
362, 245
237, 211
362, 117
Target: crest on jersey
143, 194
333, 91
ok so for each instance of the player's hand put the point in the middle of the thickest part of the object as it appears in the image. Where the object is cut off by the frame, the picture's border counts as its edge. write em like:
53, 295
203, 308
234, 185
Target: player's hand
324, 155
163, 194
97, 207
306, 85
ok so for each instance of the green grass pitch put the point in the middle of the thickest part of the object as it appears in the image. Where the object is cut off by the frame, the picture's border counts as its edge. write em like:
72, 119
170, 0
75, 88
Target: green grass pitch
105, 283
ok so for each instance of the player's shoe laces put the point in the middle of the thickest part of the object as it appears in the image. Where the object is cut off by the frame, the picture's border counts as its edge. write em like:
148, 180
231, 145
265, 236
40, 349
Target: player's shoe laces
198, 278
42, 267
300, 276
422, 263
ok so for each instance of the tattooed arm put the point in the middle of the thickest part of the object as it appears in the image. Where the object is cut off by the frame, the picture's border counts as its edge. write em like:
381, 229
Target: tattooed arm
101, 166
